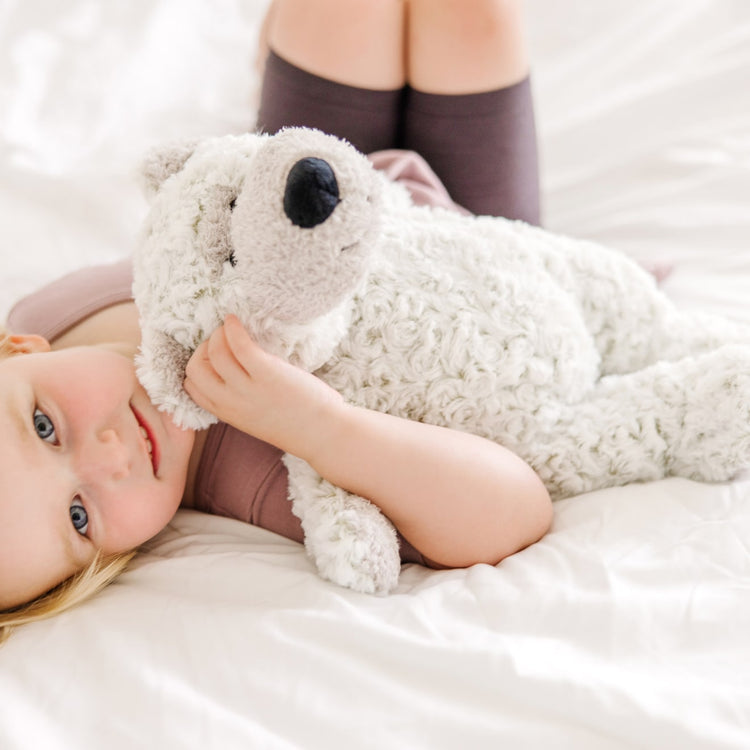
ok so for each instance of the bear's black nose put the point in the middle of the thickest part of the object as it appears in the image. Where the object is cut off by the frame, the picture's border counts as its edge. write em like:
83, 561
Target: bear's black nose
311, 194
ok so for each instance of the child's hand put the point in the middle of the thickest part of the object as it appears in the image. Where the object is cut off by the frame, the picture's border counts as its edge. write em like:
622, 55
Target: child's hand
259, 393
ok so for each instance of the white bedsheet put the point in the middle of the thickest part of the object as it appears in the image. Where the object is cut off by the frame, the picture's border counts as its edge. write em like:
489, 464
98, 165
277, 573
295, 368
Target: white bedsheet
628, 626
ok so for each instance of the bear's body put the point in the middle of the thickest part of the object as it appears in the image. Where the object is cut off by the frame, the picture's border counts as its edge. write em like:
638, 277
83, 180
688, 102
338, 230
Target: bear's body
561, 350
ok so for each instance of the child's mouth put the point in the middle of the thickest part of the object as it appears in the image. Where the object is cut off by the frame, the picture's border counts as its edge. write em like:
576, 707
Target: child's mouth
148, 438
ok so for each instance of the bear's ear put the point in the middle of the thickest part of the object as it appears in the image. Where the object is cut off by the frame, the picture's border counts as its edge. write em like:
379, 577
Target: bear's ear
165, 161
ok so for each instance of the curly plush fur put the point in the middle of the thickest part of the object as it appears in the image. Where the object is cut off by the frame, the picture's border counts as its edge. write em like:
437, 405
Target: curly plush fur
562, 350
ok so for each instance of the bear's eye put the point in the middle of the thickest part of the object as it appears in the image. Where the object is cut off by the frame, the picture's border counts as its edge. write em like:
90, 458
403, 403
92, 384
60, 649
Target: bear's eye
232, 259
232, 205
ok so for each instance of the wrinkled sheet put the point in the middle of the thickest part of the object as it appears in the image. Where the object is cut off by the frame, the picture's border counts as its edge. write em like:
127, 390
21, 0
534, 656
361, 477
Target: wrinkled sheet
628, 626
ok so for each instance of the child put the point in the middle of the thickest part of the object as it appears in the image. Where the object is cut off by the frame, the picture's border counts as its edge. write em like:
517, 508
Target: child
90, 469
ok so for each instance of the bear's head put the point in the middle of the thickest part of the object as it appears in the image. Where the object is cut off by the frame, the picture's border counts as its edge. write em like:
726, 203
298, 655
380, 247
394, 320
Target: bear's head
276, 229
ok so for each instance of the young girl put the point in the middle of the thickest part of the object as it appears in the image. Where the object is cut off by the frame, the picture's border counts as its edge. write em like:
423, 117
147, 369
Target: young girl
89, 469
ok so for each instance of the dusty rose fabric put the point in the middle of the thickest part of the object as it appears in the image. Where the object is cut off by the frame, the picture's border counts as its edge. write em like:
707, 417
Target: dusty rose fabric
54, 308
412, 171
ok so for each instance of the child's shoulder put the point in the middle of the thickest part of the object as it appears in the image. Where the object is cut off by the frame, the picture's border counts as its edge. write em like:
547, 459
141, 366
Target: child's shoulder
87, 306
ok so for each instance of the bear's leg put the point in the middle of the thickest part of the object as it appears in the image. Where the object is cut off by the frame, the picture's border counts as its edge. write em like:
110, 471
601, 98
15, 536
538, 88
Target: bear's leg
633, 322
688, 418
350, 541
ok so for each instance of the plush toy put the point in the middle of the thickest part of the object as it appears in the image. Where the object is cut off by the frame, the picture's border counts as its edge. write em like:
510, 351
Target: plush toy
561, 350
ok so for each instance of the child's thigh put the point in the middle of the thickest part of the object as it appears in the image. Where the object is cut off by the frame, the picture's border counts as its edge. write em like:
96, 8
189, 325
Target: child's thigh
355, 42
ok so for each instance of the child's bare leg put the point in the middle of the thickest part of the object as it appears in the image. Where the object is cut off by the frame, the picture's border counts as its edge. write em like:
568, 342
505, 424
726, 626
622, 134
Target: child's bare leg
465, 46
353, 42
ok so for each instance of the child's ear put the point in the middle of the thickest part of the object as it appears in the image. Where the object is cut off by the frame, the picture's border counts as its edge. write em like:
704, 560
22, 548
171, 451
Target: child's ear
23, 344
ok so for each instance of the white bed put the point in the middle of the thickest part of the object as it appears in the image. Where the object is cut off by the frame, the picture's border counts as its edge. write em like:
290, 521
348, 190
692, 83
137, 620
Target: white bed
627, 626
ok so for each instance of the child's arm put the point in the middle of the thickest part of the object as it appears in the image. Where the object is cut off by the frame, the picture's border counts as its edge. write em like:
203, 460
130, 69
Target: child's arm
459, 499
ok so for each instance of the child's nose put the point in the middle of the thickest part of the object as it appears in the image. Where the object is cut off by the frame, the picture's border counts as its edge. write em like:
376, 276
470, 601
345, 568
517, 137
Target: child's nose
104, 458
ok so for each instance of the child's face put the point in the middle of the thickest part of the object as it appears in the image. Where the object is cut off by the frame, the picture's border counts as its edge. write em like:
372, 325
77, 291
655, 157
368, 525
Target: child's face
77, 471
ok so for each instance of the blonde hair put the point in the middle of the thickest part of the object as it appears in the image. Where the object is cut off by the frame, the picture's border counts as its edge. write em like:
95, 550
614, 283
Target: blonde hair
76, 589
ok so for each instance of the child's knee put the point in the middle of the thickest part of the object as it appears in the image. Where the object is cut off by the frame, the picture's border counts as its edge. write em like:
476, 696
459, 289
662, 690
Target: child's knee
465, 46
355, 42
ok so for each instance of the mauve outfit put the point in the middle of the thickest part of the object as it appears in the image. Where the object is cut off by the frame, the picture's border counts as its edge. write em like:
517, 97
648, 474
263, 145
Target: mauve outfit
242, 477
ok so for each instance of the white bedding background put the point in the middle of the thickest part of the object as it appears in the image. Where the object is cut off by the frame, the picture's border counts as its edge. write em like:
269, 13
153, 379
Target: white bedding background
628, 626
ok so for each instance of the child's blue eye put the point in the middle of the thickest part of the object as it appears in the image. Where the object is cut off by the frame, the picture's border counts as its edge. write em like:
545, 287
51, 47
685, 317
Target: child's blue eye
79, 517
44, 427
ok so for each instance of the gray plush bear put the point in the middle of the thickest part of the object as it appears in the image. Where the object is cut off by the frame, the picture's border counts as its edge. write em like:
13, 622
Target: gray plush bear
561, 350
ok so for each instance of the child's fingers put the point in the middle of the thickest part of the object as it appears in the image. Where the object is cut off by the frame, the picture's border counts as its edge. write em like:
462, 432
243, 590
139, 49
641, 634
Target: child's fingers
199, 365
200, 375
245, 349
228, 362
212, 365
220, 357
198, 384
194, 390
223, 360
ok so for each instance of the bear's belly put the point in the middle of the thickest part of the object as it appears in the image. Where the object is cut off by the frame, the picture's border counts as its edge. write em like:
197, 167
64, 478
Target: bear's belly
462, 345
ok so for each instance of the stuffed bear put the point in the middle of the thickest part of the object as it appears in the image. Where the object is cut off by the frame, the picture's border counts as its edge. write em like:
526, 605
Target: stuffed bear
561, 350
